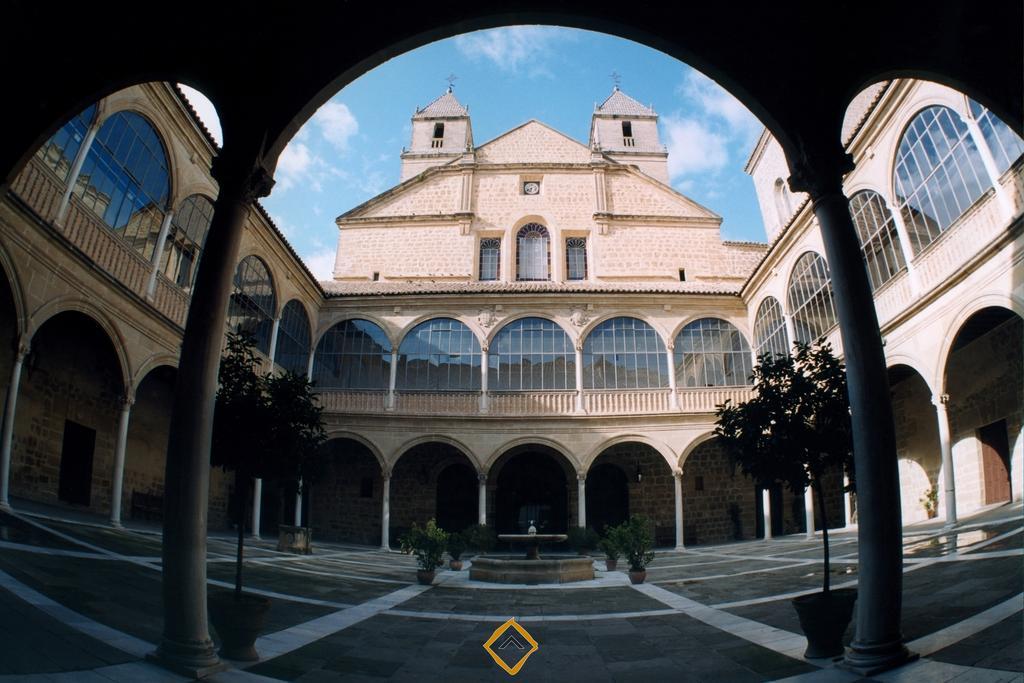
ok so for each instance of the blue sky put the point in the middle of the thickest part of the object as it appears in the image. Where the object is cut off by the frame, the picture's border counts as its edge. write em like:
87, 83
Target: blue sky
349, 151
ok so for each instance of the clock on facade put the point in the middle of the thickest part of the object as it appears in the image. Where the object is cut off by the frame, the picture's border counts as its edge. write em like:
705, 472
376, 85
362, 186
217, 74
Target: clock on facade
531, 187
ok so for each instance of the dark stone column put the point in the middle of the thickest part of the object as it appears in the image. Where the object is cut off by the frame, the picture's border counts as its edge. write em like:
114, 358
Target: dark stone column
878, 644
186, 646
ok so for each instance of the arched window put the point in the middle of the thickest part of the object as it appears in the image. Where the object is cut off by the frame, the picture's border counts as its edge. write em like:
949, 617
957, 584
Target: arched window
253, 301
531, 354
783, 205
439, 355
576, 258
624, 353
879, 242
533, 253
712, 353
1005, 145
354, 354
938, 174
60, 150
770, 328
810, 298
292, 349
490, 258
185, 240
125, 181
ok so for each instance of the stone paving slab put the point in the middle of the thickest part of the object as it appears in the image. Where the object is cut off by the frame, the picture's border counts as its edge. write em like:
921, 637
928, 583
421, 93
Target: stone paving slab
283, 579
522, 603
1000, 646
17, 531
120, 541
757, 585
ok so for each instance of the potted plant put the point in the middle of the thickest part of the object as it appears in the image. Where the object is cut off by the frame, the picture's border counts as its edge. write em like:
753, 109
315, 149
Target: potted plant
428, 544
481, 538
611, 552
264, 427
457, 545
634, 541
583, 539
795, 430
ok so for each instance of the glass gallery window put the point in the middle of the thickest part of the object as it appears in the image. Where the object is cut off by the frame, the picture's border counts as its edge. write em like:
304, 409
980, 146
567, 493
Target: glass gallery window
253, 301
1005, 145
60, 150
624, 353
439, 355
185, 240
531, 354
533, 253
354, 354
810, 298
770, 329
292, 349
712, 353
879, 242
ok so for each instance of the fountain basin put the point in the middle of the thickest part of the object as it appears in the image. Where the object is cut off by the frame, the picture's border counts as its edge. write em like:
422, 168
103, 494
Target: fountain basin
516, 569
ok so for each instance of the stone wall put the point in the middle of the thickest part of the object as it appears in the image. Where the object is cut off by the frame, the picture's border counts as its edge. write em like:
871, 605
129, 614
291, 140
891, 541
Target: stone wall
917, 445
726, 508
408, 251
414, 485
532, 143
654, 495
339, 510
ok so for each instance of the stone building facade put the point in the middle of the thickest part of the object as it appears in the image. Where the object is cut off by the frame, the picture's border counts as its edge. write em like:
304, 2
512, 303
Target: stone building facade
529, 329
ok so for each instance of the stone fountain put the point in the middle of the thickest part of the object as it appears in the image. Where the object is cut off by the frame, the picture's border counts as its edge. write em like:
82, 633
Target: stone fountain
531, 569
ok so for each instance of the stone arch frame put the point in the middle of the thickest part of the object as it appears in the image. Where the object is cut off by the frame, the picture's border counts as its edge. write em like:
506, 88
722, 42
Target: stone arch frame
142, 107
991, 300
740, 323
472, 324
462, 448
554, 445
914, 364
589, 327
73, 303
155, 361
693, 445
324, 327
660, 447
374, 450
504, 322
554, 235
10, 271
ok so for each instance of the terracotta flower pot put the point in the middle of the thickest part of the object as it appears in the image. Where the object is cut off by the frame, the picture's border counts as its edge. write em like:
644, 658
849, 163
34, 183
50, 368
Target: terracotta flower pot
637, 576
824, 618
455, 565
238, 623
610, 564
425, 576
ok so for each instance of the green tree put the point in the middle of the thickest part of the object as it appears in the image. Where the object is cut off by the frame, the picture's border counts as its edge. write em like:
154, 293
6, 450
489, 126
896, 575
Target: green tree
796, 428
265, 426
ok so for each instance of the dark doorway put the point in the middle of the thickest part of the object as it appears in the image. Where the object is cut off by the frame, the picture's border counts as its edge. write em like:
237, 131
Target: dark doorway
775, 508
532, 487
995, 461
607, 496
456, 497
75, 483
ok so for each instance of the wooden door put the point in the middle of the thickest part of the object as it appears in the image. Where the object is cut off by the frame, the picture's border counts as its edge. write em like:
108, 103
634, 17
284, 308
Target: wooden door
995, 461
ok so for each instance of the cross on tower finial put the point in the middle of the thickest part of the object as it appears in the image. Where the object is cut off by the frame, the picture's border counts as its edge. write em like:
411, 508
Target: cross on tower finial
451, 81
616, 78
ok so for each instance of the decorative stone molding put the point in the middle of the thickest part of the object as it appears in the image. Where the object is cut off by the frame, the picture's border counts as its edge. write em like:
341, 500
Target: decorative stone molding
579, 316
486, 318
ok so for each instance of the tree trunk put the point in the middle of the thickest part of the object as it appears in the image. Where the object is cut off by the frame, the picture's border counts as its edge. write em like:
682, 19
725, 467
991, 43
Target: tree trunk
824, 530
242, 487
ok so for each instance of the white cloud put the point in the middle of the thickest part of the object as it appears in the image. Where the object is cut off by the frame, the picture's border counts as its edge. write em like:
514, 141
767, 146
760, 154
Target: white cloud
207, 112
321, 263
293, 165
337, 124
717, 103
693, 147
513, 46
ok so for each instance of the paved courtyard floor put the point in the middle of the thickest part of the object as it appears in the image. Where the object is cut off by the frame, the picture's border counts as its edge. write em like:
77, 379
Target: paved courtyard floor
80, 601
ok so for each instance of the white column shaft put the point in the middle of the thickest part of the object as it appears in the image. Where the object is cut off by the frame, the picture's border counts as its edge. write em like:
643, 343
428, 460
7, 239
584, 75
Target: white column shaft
673, 398
809, 511
908, 254
257, 502
76, 169
678, 481
392, 378
273, 340
579, 380
481, 512
766, 507
8, 432
117, 475
946, 449
989, 162
790, 330
385, 513
484, 402
298, 505
158, 254
581, 500
847, 502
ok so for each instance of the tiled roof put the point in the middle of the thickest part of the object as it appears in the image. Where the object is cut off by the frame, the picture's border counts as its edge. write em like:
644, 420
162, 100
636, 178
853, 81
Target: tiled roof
194, 114
445, 105
621, 104
333, 288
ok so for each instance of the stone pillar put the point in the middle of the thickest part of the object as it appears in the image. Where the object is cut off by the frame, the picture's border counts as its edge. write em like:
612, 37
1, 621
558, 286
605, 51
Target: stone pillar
309, 364
481, 502
878, 644
847, 501
158, 253
946, 448
673, 398
677, 477
185, 645
385, 512
392, 378
579, 377
809, 512
76, 169
257, 501
273, 343
905, 249
117, 474
484, 403
8, 433
298, 505
766, 513
581, 499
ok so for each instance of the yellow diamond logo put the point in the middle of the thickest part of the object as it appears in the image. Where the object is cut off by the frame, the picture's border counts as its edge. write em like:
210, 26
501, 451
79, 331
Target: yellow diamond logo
510, 646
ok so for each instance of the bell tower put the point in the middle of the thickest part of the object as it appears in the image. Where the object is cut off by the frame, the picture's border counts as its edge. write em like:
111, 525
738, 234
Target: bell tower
441, 132
627, 131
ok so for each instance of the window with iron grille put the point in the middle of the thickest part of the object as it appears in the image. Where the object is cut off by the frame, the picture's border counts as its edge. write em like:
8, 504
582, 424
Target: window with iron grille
490, 258
533, 253
531, 354
624, 353
711, 352
439, 355
879, 242
576, 258
770, 329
